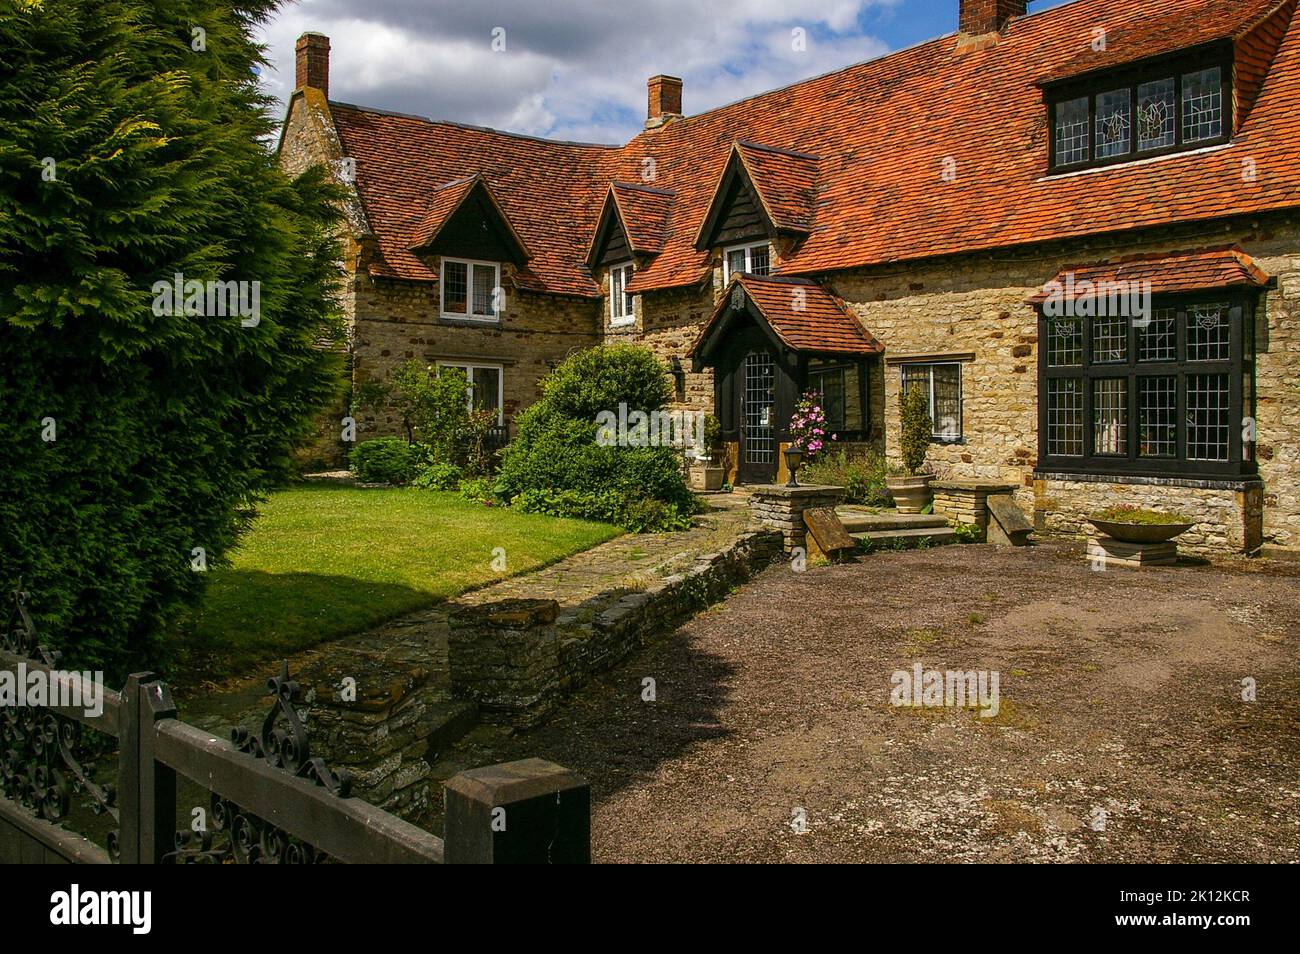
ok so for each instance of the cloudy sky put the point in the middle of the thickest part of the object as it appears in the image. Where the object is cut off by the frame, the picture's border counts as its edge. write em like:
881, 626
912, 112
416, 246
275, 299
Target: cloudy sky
576, 69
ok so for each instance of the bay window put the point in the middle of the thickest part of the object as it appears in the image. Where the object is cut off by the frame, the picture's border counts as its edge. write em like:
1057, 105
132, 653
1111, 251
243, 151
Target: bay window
1167, 394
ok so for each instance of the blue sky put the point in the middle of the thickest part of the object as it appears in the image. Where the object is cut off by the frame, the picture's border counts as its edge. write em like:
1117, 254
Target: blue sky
576, 69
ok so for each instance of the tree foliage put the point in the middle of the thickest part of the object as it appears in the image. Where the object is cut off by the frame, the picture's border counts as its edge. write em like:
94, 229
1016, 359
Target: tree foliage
134, 149
917, 429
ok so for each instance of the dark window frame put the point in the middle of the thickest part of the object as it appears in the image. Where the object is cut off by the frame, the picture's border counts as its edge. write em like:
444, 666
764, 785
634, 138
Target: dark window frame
1175, 67
1239, 366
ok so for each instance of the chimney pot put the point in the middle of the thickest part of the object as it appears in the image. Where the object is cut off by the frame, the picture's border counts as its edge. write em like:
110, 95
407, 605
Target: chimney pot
665, 100
313, 62
978, 17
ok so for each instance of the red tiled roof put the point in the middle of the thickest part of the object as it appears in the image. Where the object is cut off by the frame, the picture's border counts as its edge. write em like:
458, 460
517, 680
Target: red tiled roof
885, 133
1174, 272
545, 189
446, 200
804, 315
786, 183
645, 214
1157, 34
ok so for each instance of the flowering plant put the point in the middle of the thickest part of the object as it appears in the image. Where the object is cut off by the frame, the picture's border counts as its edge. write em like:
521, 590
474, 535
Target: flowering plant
808, 425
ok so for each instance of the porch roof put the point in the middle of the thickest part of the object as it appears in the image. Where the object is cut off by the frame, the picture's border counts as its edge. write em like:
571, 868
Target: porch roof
796, 312
1168, 272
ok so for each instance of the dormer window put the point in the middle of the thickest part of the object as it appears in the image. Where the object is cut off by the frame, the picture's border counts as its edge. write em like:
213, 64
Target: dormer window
755, 259
621, 311
470, 290
1144, 111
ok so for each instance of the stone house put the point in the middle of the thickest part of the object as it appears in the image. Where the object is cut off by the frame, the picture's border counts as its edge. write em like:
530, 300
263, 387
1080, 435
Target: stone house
1078, 231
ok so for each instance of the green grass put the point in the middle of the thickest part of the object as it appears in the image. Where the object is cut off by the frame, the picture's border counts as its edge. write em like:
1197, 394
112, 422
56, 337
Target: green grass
323, 562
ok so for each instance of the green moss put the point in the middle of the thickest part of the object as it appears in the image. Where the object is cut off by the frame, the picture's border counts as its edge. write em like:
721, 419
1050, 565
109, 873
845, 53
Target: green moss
1128, 514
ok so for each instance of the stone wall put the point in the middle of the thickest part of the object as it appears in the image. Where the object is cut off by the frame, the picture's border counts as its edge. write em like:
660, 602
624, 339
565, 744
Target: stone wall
1228, 514
781, 508
515, 659
966, 501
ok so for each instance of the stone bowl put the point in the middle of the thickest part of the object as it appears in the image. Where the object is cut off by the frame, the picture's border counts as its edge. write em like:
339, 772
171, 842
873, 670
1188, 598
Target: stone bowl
1140, 532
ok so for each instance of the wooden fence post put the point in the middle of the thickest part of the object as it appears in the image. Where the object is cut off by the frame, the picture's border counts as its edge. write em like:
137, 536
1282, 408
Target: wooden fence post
146, 789
527, 812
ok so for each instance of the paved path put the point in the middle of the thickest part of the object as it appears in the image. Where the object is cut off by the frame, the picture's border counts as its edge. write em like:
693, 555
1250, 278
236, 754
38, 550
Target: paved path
1121, 735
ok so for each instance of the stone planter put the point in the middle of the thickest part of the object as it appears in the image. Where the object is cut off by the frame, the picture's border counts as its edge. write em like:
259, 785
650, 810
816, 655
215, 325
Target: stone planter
1140, 532
707, 478
911, 494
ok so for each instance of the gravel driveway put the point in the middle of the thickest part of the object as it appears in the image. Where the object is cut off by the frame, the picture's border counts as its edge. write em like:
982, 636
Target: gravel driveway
1121, 733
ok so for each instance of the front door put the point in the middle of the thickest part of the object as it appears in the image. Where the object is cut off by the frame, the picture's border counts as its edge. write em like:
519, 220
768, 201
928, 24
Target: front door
758, 419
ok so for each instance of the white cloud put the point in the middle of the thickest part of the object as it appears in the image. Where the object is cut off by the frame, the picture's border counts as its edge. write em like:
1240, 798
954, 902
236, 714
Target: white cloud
574, 69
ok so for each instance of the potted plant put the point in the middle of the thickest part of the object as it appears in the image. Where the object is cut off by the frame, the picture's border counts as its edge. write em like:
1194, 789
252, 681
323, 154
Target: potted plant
1130, 524
909, 487
710, 472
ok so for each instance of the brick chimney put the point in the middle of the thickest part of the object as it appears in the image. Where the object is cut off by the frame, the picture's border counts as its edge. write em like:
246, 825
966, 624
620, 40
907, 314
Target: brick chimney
979, 17
665, 100
313, 51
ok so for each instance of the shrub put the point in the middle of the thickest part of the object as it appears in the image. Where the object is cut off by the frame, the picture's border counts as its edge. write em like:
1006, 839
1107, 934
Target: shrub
917, 430
431, 404
439, 475
862, 477
387, 460
167, 425
808, 425
479, 490
556, 457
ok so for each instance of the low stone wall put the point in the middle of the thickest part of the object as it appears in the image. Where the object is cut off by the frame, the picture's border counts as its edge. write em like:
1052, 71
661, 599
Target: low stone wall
781, 508
1229, 514
966, 501
385, 722
517, 658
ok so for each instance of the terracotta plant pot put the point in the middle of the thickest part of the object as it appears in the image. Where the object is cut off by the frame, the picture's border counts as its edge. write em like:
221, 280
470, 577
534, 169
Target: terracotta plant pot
910, 494
1140, 532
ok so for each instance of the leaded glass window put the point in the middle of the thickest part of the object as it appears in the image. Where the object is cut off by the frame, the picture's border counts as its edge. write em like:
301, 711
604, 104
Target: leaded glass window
1156, 123
1203, 105
1072, 131
1113, 123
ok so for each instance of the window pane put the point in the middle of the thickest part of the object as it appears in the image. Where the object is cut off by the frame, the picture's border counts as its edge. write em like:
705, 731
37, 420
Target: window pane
758, 260
1202, 105
628, 309
1157, 417
485, 281
1155, 118
487, 389
1072, 131
947, 401
1113, 123
1109, 339
1065, 417
1065, 344
1207, 417
1158, 341
917, 375
617, 300
830, 384
1110, 416
735, 262
1208, 330
454, 284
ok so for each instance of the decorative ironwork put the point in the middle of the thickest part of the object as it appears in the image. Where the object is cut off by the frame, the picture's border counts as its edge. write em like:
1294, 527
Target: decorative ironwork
47, 760
234, 835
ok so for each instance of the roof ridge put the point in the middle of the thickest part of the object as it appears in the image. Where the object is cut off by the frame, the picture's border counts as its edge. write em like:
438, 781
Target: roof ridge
471, 126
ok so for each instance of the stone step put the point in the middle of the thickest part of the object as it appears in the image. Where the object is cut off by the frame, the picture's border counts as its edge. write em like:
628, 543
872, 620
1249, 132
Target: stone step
908, 537
860, 521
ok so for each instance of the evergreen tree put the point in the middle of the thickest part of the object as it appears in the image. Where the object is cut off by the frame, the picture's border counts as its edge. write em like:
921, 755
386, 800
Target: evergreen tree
136, 433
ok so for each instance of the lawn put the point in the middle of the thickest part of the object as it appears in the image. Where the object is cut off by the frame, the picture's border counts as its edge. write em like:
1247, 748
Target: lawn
322, 562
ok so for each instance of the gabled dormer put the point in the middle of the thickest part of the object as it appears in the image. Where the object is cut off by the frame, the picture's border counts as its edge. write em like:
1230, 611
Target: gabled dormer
1161, 86
764, 196
463, 218
632, 229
